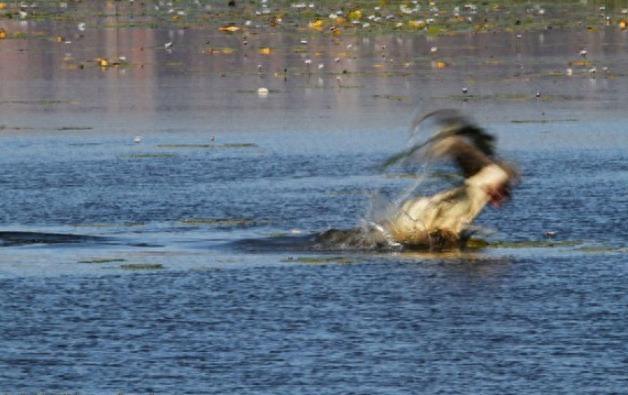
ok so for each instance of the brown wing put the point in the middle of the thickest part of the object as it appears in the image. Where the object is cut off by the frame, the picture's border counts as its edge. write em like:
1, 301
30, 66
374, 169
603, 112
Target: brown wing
465, 154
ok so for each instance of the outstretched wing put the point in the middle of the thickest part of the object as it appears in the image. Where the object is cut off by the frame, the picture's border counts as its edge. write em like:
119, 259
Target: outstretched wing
457, 137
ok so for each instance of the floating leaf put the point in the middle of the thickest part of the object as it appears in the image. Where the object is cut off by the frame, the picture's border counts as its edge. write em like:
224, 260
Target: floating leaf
417, 24
317, 25
142, 266
265, 51
355, 15
439, 64
3, 34
102, 62
230, 28
102, 260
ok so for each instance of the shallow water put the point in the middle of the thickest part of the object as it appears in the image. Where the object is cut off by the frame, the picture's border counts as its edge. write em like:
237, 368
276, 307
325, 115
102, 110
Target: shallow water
188, 272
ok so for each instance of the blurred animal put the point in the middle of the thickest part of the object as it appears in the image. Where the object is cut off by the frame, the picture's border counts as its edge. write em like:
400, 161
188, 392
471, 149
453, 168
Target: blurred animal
442, 221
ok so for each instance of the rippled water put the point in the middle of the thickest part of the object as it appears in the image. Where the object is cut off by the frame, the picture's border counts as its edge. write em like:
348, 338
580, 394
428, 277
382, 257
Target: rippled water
183, 266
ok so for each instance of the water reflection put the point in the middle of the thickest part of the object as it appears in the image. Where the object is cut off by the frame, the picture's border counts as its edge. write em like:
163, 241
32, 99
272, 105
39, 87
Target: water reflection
218, 74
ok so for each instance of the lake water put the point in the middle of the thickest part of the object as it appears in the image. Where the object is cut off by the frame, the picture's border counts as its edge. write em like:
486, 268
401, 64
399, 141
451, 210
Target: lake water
185, 265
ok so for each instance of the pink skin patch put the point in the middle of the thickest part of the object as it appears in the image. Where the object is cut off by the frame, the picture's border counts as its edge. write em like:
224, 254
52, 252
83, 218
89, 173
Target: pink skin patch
498, 195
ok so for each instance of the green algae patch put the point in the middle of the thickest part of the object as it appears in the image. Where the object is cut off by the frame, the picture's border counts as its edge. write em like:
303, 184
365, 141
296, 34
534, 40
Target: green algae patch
142, 266
100, 261
496, 97
319, 260
476, 244
151, 156
534, 244
391, 97
359, 16
219, 222
74, 128
543, 121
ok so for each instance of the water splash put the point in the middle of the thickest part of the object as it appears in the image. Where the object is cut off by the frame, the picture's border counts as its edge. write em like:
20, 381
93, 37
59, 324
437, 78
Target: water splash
431, 214
420, 217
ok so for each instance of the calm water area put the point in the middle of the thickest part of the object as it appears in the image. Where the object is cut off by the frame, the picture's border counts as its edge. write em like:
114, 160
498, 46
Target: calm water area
153, 214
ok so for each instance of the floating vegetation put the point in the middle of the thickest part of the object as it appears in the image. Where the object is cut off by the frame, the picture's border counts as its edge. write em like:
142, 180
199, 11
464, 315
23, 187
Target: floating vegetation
391, 97
151, 156
331, 18
543, 120
239, 145
512, 97
534, 244
102, 260
74, 128
475, 244
227, 145
318, 260
83, 144
220, 222
506, 97
141, 266
17, 128
599, 249
42, 102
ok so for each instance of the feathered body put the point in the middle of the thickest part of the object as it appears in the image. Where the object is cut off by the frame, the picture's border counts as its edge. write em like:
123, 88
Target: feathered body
440, 221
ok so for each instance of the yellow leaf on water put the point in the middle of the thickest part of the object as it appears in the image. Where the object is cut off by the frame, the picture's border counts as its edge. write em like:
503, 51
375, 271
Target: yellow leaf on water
3, 6
102, 62
265, 51
355, 15
623, 24
229, 28
317, 25
340, 20
580, 63
439, 64
417, 24
3, 34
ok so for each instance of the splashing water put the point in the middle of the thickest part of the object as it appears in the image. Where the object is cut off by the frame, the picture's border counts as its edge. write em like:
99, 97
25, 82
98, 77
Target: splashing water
442, 220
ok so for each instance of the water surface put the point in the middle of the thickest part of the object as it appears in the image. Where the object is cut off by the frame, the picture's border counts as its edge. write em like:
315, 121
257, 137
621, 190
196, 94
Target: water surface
155, 290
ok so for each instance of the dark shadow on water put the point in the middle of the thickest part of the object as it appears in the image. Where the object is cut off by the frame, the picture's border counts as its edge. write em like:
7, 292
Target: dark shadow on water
25, 238
17, 238
332, 240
